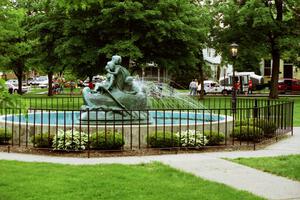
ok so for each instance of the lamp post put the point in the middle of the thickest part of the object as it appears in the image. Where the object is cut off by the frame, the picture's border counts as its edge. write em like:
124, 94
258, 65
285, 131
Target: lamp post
233, 52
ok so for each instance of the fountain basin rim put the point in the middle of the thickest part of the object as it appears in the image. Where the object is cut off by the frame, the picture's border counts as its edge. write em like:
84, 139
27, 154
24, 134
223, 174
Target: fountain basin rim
8, 123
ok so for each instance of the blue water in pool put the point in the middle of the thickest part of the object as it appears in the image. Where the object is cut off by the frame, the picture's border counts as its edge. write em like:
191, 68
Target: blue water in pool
72, 118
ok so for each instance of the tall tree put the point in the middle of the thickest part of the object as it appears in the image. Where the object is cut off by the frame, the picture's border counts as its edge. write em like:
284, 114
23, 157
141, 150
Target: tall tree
15, 48
168, 32
47, 27
261, 27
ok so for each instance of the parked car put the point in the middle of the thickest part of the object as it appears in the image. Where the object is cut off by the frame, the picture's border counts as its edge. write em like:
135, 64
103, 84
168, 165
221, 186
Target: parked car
289, 85
281, 87
41, 81
14, 88
214, 87
95, 79
12, 81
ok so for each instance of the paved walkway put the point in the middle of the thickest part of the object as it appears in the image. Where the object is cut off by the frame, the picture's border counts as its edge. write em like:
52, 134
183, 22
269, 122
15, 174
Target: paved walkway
209, 166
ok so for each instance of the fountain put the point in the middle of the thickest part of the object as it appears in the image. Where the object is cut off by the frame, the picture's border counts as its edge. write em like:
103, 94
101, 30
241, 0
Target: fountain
120, 104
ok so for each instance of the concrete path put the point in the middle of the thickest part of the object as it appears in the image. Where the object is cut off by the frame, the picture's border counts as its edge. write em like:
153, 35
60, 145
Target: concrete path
207, 165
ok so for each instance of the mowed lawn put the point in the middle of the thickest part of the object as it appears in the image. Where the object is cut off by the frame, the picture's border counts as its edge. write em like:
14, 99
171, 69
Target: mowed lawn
287, 166
19, 180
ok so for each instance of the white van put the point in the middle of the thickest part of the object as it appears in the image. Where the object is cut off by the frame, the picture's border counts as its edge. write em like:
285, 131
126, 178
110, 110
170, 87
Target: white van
243, 77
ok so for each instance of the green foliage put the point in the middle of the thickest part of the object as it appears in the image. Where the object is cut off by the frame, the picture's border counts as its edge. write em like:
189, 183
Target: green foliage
6, 100
163, 139
214, 137
70, 140
44, 140
5, 136
188, 138
15, 47
247, 133
259, 27
107, 141
269, 127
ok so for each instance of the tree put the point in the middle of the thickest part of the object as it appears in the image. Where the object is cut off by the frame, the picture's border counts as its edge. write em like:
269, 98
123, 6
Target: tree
15, 49
46, 26
168, 33
261, 27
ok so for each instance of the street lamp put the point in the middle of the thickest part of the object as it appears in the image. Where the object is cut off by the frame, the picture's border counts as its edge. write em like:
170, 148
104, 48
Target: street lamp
233, 52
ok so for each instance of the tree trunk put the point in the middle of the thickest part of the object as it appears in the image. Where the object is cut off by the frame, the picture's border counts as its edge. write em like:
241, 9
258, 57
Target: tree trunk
90, 78
201, 81
50, 75
19, 74
275, 74
126, 62
20, 78
276, 52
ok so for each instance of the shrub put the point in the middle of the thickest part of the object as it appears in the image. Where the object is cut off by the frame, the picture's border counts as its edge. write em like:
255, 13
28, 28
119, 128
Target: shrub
267, 126
163, 139
109, 141
70, 140
42, 140
214, 137
5, 137
248, 133
192, 138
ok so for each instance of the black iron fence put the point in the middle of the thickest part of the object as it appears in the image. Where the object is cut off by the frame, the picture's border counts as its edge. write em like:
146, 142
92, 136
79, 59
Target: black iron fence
58, 123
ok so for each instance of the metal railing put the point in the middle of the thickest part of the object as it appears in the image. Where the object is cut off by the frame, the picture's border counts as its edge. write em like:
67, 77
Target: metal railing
56, 123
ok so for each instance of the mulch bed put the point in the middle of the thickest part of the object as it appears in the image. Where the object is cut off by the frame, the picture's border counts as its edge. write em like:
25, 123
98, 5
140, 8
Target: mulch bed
237, 146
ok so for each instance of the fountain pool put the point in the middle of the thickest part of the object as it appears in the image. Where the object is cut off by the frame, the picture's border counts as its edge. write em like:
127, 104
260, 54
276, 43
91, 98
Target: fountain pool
134, 134
68, 118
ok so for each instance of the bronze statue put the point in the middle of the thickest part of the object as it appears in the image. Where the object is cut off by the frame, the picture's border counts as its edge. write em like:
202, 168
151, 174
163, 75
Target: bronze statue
117, 97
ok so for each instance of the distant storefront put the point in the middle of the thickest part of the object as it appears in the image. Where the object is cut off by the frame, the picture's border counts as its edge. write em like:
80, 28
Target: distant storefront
286, 70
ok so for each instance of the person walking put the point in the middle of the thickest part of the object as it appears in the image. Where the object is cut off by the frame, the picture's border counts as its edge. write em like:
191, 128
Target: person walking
193, 87
250, 86
72, 87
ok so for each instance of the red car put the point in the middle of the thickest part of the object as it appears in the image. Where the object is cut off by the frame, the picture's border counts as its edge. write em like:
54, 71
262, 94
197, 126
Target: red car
281, 87
289, 85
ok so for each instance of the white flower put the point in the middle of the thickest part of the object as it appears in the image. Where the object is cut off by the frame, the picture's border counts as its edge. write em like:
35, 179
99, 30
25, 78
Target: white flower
70, 140
192, 138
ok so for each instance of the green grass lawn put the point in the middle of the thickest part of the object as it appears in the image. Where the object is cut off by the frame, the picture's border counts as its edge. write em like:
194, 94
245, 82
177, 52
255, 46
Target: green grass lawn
296, 110
19, 180
287, 166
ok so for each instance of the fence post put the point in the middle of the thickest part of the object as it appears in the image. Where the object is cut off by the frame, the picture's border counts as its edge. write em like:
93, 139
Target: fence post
292, 125
255, 109
268, 109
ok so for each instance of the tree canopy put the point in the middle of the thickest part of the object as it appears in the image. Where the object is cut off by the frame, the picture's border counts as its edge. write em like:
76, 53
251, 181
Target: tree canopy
262, 28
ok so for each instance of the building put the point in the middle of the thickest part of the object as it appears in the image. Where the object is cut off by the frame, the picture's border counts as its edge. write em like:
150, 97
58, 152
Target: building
286, 70
214, 60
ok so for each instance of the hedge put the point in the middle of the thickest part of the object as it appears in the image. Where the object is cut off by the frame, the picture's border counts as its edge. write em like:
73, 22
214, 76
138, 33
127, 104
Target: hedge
106, 141
5, 136
247, 133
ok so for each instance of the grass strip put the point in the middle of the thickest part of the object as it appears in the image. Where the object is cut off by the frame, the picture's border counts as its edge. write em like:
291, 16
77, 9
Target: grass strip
286, 166
19, 180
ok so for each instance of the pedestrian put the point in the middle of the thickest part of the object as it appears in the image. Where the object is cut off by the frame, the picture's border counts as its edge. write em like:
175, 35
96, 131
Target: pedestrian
193, 87
250, 86
72, 87
199, 89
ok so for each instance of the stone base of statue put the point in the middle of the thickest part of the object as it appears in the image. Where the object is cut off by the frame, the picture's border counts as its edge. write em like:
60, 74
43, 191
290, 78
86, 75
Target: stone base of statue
114, 118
